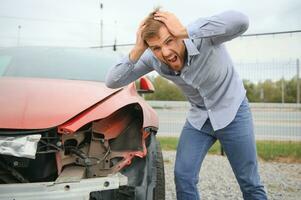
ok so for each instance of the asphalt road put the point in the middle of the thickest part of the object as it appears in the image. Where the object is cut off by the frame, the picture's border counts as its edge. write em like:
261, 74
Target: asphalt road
270, 124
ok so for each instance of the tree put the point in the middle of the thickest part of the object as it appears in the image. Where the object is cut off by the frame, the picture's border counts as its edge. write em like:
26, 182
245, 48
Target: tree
253, 93
267, 91
165, 90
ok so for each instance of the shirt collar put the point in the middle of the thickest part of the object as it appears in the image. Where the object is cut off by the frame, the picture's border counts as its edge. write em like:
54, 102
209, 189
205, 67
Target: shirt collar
191, 49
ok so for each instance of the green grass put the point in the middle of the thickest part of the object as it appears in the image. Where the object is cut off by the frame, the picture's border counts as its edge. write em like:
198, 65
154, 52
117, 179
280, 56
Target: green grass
283, 151
279, 150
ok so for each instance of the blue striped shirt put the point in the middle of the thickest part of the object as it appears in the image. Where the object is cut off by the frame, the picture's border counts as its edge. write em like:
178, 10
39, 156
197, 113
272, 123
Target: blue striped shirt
208, 78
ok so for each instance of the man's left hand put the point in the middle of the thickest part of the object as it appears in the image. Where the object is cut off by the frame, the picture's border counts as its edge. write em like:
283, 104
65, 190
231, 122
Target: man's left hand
172, 23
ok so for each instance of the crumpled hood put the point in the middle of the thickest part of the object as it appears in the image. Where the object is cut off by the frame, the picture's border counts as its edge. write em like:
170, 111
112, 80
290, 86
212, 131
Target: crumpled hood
33, 103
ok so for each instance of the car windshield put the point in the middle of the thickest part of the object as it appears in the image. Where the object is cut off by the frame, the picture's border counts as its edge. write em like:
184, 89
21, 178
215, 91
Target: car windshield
58, 63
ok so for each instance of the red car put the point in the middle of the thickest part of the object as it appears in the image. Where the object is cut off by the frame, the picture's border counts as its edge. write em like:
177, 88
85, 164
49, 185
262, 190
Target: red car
65, 135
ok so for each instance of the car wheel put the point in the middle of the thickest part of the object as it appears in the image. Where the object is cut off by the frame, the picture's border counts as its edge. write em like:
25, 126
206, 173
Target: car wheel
159, 190
146, 178
152, 179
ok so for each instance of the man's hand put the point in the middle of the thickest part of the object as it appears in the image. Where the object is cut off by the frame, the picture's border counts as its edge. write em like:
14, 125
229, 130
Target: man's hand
173, 24
140, 45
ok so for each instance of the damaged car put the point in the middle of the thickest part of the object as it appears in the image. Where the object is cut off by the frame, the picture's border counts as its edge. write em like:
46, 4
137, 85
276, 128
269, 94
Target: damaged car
65, 135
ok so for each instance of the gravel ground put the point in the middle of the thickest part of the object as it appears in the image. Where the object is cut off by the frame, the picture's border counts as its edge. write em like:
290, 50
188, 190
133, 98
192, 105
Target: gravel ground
282, 181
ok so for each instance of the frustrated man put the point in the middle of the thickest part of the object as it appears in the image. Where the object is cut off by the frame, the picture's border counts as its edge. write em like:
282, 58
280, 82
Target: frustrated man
196, 60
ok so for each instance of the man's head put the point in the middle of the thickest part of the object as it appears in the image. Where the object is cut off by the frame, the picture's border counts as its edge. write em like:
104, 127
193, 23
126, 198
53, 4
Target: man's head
164, 45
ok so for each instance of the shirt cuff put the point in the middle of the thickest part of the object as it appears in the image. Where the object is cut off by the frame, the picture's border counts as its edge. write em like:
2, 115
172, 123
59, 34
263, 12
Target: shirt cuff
128, 62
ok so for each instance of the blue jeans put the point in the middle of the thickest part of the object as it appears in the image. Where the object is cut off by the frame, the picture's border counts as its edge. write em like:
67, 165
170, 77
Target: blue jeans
237, 140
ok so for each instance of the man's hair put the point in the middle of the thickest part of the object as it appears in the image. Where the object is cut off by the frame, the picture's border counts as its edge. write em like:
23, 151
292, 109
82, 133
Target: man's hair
152, 26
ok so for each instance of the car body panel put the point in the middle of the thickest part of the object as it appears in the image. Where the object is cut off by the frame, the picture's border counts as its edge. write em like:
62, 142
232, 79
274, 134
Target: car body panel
120, 99
33, 103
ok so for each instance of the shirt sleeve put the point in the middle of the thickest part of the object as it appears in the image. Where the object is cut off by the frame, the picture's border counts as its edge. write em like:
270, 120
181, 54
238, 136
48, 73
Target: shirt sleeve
126, 71
219, 28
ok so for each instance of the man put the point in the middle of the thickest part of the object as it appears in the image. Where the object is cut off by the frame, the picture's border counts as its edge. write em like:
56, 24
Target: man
195, 59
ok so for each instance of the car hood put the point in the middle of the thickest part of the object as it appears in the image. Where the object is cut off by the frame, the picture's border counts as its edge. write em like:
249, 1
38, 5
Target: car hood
33, 103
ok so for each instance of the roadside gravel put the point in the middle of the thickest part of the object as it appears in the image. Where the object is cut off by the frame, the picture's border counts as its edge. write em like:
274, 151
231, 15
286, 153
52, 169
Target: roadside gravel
217, 182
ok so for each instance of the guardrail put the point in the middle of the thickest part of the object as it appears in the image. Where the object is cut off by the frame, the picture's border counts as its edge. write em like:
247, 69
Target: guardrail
186, 105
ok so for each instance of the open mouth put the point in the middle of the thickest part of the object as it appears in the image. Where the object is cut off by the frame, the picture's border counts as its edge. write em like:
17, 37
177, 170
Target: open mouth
172, 59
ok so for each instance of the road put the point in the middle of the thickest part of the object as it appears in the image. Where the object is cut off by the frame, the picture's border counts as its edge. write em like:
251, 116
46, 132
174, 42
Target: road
270, 124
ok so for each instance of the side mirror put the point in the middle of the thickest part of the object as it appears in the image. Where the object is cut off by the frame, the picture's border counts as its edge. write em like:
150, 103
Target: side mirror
146, 86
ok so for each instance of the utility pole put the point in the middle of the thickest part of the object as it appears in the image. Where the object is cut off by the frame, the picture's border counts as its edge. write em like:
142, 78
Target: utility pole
282, 90
115, 39
115, 45
298, 81
101, 24
19, 34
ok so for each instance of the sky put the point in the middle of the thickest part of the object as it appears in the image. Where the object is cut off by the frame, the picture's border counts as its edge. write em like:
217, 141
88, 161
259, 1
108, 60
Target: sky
77, 23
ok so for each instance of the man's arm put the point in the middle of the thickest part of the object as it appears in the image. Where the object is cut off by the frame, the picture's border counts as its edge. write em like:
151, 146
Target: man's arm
219, 28
127, 71
135, 65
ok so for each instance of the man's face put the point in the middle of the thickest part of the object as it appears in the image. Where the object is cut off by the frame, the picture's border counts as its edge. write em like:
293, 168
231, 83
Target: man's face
168, 49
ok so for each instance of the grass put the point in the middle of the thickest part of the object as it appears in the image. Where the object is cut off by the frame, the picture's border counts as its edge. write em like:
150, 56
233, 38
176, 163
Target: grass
281, 151
286, 151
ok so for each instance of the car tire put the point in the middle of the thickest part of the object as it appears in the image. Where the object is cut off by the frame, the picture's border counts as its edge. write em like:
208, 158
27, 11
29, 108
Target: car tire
159, 190
145, 175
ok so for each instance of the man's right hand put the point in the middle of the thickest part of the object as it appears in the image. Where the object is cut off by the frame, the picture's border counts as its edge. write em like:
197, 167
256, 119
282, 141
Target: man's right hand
140, 45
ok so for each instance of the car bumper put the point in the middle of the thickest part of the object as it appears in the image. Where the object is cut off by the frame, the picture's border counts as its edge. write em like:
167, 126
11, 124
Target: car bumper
63, 190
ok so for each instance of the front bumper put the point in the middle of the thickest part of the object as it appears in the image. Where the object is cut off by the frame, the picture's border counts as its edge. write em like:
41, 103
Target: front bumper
79, 190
